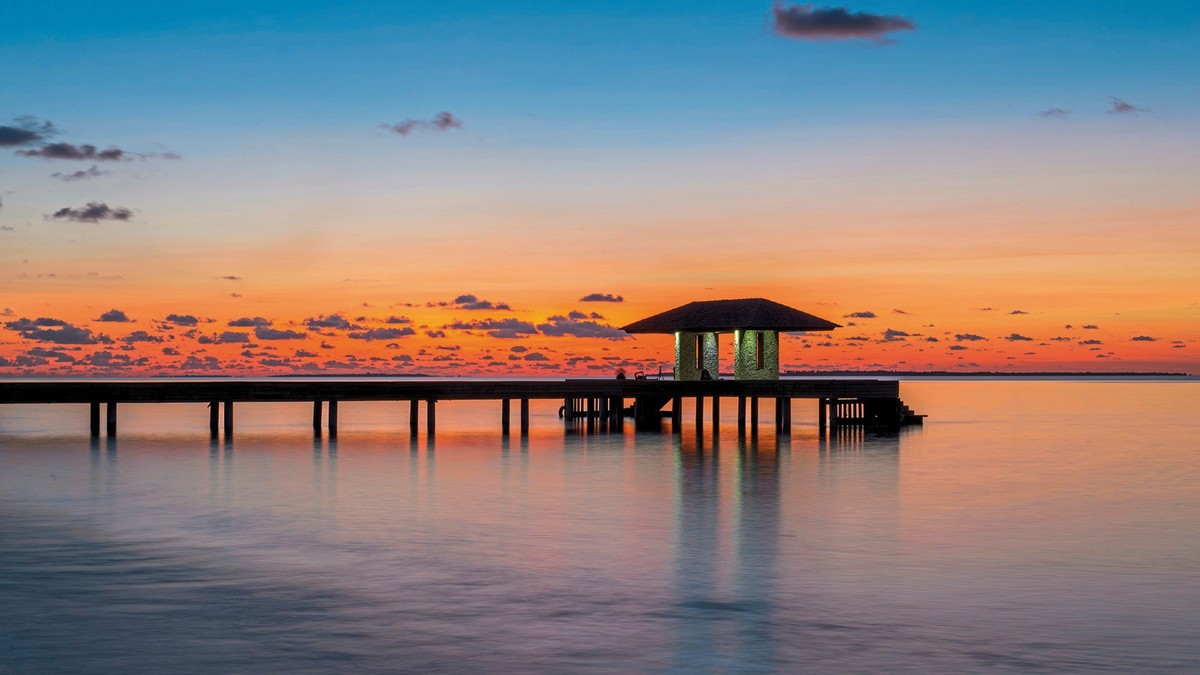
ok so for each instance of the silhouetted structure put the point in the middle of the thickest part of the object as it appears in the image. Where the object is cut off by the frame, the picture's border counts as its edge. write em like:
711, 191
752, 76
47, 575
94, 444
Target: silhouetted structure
754, 322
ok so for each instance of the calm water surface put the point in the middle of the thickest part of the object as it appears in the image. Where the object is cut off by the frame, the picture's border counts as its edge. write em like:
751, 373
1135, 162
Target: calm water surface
1030, 526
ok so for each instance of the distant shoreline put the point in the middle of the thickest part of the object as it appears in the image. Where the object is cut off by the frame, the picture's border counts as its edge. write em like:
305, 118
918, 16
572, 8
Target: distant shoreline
984, 373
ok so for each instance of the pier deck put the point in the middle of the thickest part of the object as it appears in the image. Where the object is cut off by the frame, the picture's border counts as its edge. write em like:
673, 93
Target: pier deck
604, 397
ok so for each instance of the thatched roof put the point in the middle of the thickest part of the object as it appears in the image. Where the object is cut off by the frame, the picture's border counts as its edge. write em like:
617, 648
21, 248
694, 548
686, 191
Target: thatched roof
720, 316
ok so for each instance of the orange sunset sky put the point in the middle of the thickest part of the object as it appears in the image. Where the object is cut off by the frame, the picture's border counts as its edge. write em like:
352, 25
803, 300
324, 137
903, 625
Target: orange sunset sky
473, 190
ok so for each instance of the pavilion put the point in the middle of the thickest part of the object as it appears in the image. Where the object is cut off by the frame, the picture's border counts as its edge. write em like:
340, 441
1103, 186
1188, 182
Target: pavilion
754, 322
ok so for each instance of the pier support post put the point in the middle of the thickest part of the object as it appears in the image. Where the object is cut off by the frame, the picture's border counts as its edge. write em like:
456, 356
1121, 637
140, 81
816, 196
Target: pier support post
524, 417
214, 418
110, 410
753, 415
413, 417
833, 412
316, 418
591, 414
94, 411
699, 415
676, 415
741, 415
603, 413
333, 418
430, 417
784, 424
716, 414
505, 415
822, 413
228, 419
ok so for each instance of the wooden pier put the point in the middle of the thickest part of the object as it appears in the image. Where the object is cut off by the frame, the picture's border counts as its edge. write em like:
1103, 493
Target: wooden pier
599, 404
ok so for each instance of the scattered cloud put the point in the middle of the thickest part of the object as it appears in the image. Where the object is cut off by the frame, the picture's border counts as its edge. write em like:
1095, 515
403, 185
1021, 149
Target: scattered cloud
140, 336
899, 311
1017, 337
1018, 311
25, 130
968, 337
859, 315
336, 321
93, 172
398, 320
804, 22
55, 331
891, 335
1090, 342
113, 316
382, 334
443, 121
559, 326
248, 322
497, 328
1120, 107
1143, 338
182, 319
1091, 326
602, 297
94, 212
1055, 112
84, 152
265, 333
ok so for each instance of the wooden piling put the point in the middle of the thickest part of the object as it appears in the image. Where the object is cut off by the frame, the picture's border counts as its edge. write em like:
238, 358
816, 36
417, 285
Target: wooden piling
741, 415
754, 414
214, 418
94, 410
699, 414
111, 414
316, 418
333, 417
676, 414
524, 417
228, 419
505, 410
822, 412
430, 417
591, 414
413, 417
716, 413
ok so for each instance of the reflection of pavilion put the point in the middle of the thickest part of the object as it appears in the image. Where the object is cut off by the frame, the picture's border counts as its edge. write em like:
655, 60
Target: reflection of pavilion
731, 576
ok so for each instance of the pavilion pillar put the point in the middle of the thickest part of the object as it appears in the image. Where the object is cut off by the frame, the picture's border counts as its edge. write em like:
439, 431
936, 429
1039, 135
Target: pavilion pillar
716, 413
676, 415
754, 415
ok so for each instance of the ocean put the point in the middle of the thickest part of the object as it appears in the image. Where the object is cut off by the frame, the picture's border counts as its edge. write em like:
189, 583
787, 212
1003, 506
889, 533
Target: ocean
1029, 526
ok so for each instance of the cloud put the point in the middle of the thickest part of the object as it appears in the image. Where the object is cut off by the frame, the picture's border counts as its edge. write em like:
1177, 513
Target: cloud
957, 348
1017, 337
1121, 106
113, 316
602, 297
1018, 311
332, 321
968, 337
93, 172
899, 311
859, 315
891, 335
73, 152
1090, 342
57, 355
497, 328
473, 303
559, 326
182, 319
398, 320
227, 337
1143, 338
265, 333
382, 334
230, 277
94, 212
1091, 326
442, 121
536, 356
55, 331
247, 322
804, 22
1055, 112
140, 336
25, 130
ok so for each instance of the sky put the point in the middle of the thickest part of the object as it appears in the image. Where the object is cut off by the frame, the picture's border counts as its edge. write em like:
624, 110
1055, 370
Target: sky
467, 188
